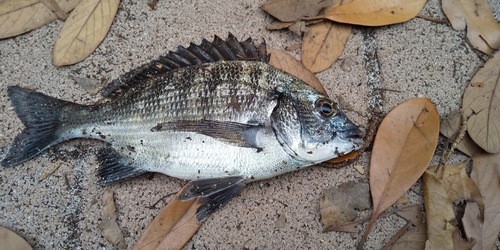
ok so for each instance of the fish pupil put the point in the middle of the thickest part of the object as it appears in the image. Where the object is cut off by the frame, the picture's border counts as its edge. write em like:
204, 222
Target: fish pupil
325, 107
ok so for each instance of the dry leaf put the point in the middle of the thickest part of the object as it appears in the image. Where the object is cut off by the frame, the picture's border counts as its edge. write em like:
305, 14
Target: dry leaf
414, 239
54, 7
291, 10
173, 227
92, 86
11, 241
411, 213
460, 243
459, 186
439, 212
403, 147
278, 25
20, 16
324, 44
483, 30
288, 63
441, 191
481, 105
109, 227
472, 223
376, 13
340, 204
450, 127
360, 169
343, 158
486, 174
84, 30
298, 28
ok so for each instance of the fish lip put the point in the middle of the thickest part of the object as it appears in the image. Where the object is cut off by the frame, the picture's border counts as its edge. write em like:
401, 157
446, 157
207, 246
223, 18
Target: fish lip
351, 134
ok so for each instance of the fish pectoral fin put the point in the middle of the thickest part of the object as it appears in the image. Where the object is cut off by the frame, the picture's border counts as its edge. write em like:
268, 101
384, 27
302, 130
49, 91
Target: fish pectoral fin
214, 193
239, 134
114, 168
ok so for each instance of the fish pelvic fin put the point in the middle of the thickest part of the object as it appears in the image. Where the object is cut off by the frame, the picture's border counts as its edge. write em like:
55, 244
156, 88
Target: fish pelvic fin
41, 116
213, 193
114, 168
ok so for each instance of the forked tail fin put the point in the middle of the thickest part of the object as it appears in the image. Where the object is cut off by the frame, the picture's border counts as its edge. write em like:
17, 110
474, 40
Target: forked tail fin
40, 114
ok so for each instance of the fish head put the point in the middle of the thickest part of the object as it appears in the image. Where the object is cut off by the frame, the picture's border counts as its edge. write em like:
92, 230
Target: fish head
312, 128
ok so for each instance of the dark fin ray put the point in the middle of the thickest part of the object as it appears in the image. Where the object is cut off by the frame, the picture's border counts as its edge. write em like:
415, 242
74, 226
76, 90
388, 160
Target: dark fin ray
215, 201
243, 135
114, 168
217, 50
214, 193
206, 187
40, 114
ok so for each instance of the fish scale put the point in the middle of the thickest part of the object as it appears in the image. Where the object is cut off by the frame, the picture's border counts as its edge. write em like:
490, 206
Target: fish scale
216, 114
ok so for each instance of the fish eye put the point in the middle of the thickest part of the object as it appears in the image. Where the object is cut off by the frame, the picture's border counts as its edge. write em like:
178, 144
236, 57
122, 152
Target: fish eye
325, 107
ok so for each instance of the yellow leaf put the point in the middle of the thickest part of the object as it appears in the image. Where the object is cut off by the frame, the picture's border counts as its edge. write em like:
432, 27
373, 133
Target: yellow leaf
403, 147
12, 241
481, 105
20, 16
486, 174
84, 30
288, 63
323, 44
173, 227
483, 30
376, 13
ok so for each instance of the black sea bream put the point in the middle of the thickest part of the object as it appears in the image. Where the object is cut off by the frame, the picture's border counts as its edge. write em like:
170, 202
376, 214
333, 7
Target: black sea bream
216, 113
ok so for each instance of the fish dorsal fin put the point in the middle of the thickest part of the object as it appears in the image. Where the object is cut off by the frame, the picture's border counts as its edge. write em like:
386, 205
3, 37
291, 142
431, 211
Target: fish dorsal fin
218, 50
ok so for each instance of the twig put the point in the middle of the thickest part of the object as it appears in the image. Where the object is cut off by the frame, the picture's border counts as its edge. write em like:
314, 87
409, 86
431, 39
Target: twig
432, 19
397, 235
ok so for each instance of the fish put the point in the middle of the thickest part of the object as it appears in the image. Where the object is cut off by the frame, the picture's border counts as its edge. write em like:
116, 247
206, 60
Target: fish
216, 114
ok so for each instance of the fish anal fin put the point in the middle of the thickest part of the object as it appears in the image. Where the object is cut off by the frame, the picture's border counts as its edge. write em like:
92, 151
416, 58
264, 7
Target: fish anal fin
239, 134
217, 50
114, 168
213, 193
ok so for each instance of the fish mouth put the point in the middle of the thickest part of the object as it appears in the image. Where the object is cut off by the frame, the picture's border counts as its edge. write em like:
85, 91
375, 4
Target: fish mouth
351, 134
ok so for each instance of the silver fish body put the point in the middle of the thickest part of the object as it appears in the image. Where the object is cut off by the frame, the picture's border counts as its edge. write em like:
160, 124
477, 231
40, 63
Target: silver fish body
221, 124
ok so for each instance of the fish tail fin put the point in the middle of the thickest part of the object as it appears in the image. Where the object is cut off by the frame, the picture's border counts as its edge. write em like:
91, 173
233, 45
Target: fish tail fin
40, 115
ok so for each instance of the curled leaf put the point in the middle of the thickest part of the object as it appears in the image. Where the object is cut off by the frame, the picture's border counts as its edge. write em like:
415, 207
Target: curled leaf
450, 128
403, 147
20, 16
288, 63
481, 105
486, 174
483, 30
376, 13
84, 30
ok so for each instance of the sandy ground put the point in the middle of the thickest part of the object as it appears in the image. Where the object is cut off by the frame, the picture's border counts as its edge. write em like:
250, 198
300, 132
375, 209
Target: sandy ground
417, 59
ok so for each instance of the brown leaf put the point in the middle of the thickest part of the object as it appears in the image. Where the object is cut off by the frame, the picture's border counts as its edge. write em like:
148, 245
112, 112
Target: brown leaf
450, 127
486, 174
439, 212
343, 158
459, 186
291, 10
288, 63
441, 191
403, 147
483, 30
109, 227
12, 241
278, 25
54, 7
84, 30
323, 44
17, 17
472, 224
376, 13
481, 105
411, 213
413, 239
173, 227
340, 204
